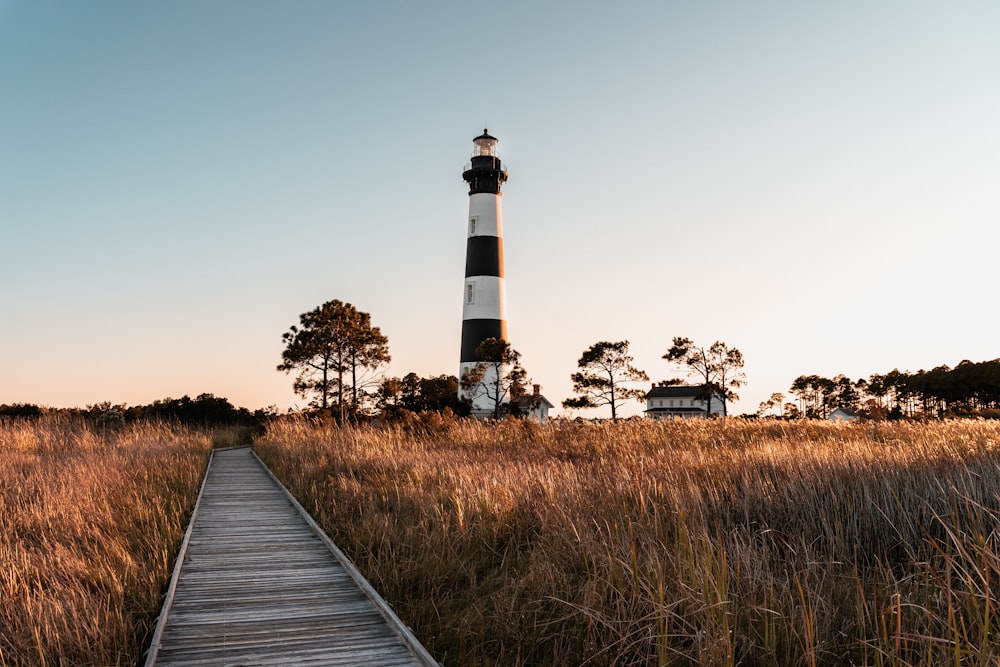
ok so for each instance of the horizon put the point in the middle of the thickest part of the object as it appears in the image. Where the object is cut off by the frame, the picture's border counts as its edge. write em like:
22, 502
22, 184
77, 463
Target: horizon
814, 186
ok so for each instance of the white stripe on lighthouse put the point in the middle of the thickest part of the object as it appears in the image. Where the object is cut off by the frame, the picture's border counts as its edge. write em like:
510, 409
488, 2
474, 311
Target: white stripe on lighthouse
485, 218
485, 298
483, 403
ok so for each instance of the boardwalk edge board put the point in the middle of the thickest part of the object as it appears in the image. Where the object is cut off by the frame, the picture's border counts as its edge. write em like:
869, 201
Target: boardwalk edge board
168, 599
383, 607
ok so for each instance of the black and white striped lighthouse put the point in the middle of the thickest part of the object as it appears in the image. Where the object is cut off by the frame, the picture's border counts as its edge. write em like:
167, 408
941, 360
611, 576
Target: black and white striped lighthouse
484, 313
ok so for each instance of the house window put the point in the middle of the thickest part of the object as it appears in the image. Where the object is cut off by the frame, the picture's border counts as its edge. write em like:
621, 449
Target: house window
671, 402
472, 226
470, 293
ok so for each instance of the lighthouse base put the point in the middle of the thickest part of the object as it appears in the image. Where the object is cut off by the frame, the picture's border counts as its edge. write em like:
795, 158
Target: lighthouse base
483, 395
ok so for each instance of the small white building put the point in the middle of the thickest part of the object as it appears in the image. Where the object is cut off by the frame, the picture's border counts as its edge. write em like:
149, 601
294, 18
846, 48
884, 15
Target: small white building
681, 401
843, 415
534, 406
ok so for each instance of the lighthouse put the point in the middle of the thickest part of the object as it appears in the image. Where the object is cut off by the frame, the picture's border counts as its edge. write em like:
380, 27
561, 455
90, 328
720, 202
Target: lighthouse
484, 310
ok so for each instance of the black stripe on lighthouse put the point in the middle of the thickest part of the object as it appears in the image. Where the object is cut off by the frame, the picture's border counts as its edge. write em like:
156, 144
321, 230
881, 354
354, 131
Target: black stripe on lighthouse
484, 256
475, 332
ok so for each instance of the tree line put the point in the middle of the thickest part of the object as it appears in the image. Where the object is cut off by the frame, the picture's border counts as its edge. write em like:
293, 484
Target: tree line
337, 352
968, 389
202, 410
337, 355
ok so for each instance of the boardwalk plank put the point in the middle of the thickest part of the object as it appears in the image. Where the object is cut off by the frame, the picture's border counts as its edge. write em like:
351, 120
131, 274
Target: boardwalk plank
259, 584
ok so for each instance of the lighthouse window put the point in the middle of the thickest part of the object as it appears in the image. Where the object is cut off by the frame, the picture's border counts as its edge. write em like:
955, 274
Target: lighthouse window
472, 226
470, 292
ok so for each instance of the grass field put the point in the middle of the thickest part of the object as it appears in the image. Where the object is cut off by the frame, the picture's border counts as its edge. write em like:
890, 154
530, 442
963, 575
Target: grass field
90, 520
713, 543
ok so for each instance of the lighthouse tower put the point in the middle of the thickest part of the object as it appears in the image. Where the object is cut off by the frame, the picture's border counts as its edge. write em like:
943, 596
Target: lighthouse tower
484, 311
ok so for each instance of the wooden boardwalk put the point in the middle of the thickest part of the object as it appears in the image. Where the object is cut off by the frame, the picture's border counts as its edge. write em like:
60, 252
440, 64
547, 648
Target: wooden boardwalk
258, 583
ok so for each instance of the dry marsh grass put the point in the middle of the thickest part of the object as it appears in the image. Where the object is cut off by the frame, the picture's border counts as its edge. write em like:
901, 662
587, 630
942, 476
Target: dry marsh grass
712, 543
90, 520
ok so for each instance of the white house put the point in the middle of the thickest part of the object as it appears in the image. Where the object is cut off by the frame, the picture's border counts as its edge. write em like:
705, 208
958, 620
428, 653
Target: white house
681, 401
843, 415
534, 406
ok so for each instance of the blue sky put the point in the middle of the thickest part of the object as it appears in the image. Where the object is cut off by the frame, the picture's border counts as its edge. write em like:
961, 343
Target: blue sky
815, 184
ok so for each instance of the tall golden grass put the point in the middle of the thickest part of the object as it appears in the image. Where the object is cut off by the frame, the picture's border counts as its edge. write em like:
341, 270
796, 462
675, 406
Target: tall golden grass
90, 520
684, 543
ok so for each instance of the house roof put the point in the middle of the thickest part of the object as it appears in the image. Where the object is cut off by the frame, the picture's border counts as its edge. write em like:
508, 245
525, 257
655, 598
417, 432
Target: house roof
847, 412
674, 391
527, 401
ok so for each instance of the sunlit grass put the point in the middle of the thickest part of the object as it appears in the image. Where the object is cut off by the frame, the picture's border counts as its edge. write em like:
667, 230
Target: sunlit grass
90, 519
708, 543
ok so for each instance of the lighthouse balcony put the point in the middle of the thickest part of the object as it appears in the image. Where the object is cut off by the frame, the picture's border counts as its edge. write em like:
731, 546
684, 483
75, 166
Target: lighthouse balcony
497, 165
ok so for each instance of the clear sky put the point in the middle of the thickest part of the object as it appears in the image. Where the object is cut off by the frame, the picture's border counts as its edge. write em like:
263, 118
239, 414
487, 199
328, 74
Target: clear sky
817, 184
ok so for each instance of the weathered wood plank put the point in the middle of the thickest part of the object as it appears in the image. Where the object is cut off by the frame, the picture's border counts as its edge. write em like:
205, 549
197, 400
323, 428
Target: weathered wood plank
257, 582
